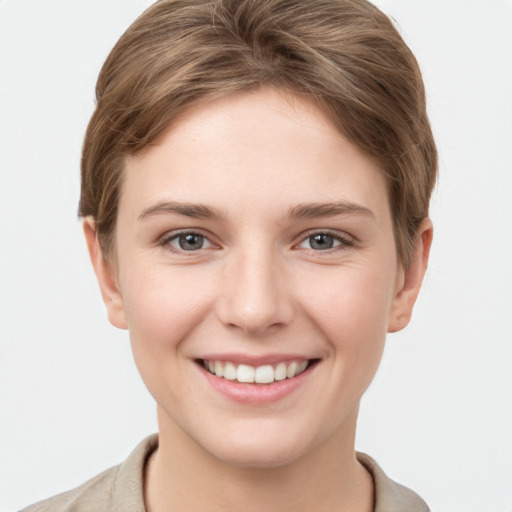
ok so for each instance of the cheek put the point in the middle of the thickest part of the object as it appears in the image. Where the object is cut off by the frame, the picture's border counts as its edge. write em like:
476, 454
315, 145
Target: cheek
353, 317
352, 302
163, 305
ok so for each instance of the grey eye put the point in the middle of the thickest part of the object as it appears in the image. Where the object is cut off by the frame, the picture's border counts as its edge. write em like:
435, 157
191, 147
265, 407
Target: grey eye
321, 241
190, 242
324, 242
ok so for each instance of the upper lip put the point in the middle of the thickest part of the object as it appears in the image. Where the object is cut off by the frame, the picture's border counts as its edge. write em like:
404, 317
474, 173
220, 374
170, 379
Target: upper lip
255, 360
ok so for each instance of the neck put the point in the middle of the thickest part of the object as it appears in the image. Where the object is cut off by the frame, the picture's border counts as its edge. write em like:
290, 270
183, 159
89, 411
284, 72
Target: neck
182, 474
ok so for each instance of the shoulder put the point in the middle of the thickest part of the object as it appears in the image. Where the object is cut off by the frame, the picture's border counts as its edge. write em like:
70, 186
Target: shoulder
94, 494
117, 489
391, 496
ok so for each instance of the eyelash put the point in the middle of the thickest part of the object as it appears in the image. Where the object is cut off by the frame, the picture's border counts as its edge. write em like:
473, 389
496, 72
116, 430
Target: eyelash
165, 241
345, 242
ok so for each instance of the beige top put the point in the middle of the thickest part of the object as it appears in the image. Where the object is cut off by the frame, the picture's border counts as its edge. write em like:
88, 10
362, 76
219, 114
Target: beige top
120, 489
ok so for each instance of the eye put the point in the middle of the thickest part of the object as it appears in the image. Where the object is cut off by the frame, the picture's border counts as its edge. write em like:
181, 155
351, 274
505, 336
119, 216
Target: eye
187, 242
324, 242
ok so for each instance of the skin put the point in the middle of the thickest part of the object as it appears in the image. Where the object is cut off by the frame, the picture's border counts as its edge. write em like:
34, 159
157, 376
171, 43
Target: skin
258, 286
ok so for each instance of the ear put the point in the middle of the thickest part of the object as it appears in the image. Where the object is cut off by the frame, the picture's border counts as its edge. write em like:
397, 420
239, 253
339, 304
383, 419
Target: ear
106, 275
410, 279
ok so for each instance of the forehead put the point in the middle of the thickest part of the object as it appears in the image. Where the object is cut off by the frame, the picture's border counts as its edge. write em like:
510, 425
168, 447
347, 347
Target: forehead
267, 145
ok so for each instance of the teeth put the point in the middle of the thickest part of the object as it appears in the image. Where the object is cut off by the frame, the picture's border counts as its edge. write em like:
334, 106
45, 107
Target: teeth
219, 369
245, 373
280, 371
265, 374
291, 371
230, 371
302, 367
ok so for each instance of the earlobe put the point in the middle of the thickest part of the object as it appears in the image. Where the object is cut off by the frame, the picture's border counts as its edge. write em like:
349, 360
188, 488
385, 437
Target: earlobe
105, 273
410, 282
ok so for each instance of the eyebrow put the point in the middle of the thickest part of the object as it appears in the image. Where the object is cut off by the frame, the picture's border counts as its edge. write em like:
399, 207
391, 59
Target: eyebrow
313, 210
195, 211
301, 211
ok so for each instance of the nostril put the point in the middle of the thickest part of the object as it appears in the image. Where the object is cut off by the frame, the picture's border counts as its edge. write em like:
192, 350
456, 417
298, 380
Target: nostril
254, 299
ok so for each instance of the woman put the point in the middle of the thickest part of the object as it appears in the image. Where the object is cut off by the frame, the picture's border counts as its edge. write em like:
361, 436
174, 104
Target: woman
255, 189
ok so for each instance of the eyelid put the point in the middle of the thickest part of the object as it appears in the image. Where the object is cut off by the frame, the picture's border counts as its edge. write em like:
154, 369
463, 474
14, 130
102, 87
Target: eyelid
346, 240
165, 240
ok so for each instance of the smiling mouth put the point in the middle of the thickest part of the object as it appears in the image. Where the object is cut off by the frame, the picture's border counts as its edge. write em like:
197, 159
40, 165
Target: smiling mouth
265, 374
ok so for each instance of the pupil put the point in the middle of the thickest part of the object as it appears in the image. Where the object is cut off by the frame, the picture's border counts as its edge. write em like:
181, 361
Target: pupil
321, 242
190, 242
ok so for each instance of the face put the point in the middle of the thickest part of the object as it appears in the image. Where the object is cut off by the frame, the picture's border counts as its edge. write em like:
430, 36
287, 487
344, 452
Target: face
254, 243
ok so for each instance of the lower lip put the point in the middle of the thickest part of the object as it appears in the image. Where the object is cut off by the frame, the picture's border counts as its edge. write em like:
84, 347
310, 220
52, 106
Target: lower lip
257, 393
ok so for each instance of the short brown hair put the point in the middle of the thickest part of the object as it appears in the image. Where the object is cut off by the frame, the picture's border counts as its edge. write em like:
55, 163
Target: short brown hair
344, 54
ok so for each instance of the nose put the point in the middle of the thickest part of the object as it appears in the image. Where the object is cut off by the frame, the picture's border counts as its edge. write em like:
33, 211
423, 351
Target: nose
255, 296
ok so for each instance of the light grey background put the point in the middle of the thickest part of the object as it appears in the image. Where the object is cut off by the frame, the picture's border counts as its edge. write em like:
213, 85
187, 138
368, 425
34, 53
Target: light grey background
438, 417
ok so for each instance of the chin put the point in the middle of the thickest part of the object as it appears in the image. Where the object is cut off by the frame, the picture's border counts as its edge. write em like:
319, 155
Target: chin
260, 448
258, 456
